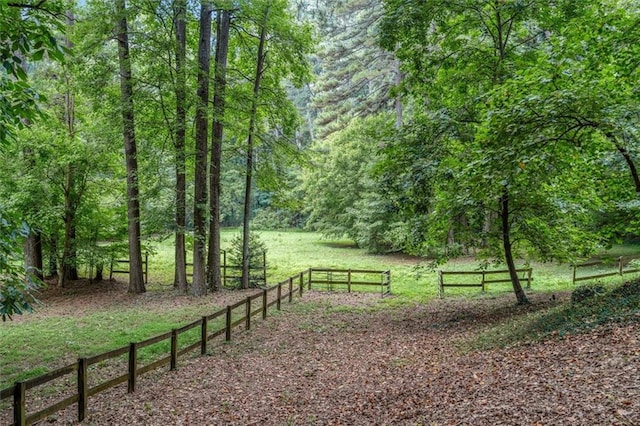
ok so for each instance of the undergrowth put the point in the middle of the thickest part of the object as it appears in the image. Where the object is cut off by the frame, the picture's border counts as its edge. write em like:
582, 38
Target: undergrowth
618, 304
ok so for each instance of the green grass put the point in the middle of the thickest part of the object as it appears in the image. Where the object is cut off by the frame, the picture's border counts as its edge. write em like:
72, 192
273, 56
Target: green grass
34, 345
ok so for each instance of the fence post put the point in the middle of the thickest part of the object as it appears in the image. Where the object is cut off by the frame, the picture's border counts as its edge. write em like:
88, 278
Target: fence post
228, 325
310, 272
573, 279
349, 281
146, 267
264, 266
19, 404
224, 267
133, 366
440, 284
301, 283
483, 277
529, 271
111, 269
203, 336
290, 289
174, 349
248, 313
83, 388
279, 296
620, 265
264, 304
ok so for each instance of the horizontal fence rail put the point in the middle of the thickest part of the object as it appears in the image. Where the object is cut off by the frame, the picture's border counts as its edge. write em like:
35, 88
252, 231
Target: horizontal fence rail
117, 263
485, 277
350, 278
618, 267
220, 323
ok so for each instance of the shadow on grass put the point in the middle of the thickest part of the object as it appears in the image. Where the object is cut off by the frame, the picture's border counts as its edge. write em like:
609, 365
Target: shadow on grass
338, 244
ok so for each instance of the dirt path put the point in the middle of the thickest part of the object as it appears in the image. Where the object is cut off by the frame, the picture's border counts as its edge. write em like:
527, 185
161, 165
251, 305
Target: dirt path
338, 361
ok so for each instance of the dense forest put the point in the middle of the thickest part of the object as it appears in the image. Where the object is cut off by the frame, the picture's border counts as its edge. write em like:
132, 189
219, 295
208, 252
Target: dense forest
503, 128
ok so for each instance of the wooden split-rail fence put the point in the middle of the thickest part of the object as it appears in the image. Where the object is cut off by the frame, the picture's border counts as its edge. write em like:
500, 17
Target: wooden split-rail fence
480, 278
220, 323
602, 269
117, 267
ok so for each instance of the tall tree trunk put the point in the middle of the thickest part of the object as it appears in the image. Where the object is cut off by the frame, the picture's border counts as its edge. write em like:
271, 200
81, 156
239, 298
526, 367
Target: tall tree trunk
506, 243
180, 278
398, 100
136, 279
33, 254
220, 75
33, 243
68, 265
199, 287
67, 260
250, 143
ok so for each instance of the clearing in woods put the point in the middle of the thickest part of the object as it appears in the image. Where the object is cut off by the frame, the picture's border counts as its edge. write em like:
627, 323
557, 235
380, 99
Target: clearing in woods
348, 359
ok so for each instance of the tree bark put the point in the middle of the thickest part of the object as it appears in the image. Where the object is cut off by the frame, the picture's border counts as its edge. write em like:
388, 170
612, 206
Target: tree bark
53, 256
220, 75
506, 243
199, 287
398, 100
630, 163
249, 167
72, 195
180, 277
33, 242
33, 254
136, 279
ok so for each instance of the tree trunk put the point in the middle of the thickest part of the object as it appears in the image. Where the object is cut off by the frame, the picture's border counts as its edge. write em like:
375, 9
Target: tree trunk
53, 256
99, 272
180, 278
33, 255
220, 75
249, 169
506, 243
199, 287
630, 163
398, 100
33, 242
136, 279
68, 266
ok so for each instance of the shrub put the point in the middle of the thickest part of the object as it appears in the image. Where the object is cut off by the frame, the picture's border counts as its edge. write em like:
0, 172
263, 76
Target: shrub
586, 292
257, 248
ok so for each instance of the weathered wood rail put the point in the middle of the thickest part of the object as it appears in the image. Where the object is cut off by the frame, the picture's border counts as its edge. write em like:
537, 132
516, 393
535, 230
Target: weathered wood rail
119, 269
484, 278
221, 323
350, 278
622, 267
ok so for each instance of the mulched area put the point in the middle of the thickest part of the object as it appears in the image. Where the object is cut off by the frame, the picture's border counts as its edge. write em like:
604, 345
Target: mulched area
339, 359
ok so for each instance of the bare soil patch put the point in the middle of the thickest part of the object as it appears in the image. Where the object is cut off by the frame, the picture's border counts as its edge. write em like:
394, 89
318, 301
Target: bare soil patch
338, 359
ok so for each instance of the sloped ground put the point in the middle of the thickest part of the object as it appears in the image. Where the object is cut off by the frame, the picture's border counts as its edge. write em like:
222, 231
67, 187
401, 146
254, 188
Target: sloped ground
337, 362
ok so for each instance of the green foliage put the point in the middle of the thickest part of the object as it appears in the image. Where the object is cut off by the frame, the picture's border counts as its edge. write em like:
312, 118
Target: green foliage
257, 251
28, 33
355, 75
343, 197
586, 293
521, 104
17, 286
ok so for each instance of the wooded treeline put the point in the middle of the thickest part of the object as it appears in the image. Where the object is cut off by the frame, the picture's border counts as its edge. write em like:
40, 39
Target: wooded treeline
504, 128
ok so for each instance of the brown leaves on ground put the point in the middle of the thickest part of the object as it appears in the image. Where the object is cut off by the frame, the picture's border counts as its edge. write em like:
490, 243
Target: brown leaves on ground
330, 360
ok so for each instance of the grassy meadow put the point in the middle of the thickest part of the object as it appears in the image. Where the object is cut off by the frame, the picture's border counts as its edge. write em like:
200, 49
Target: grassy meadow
72, 325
